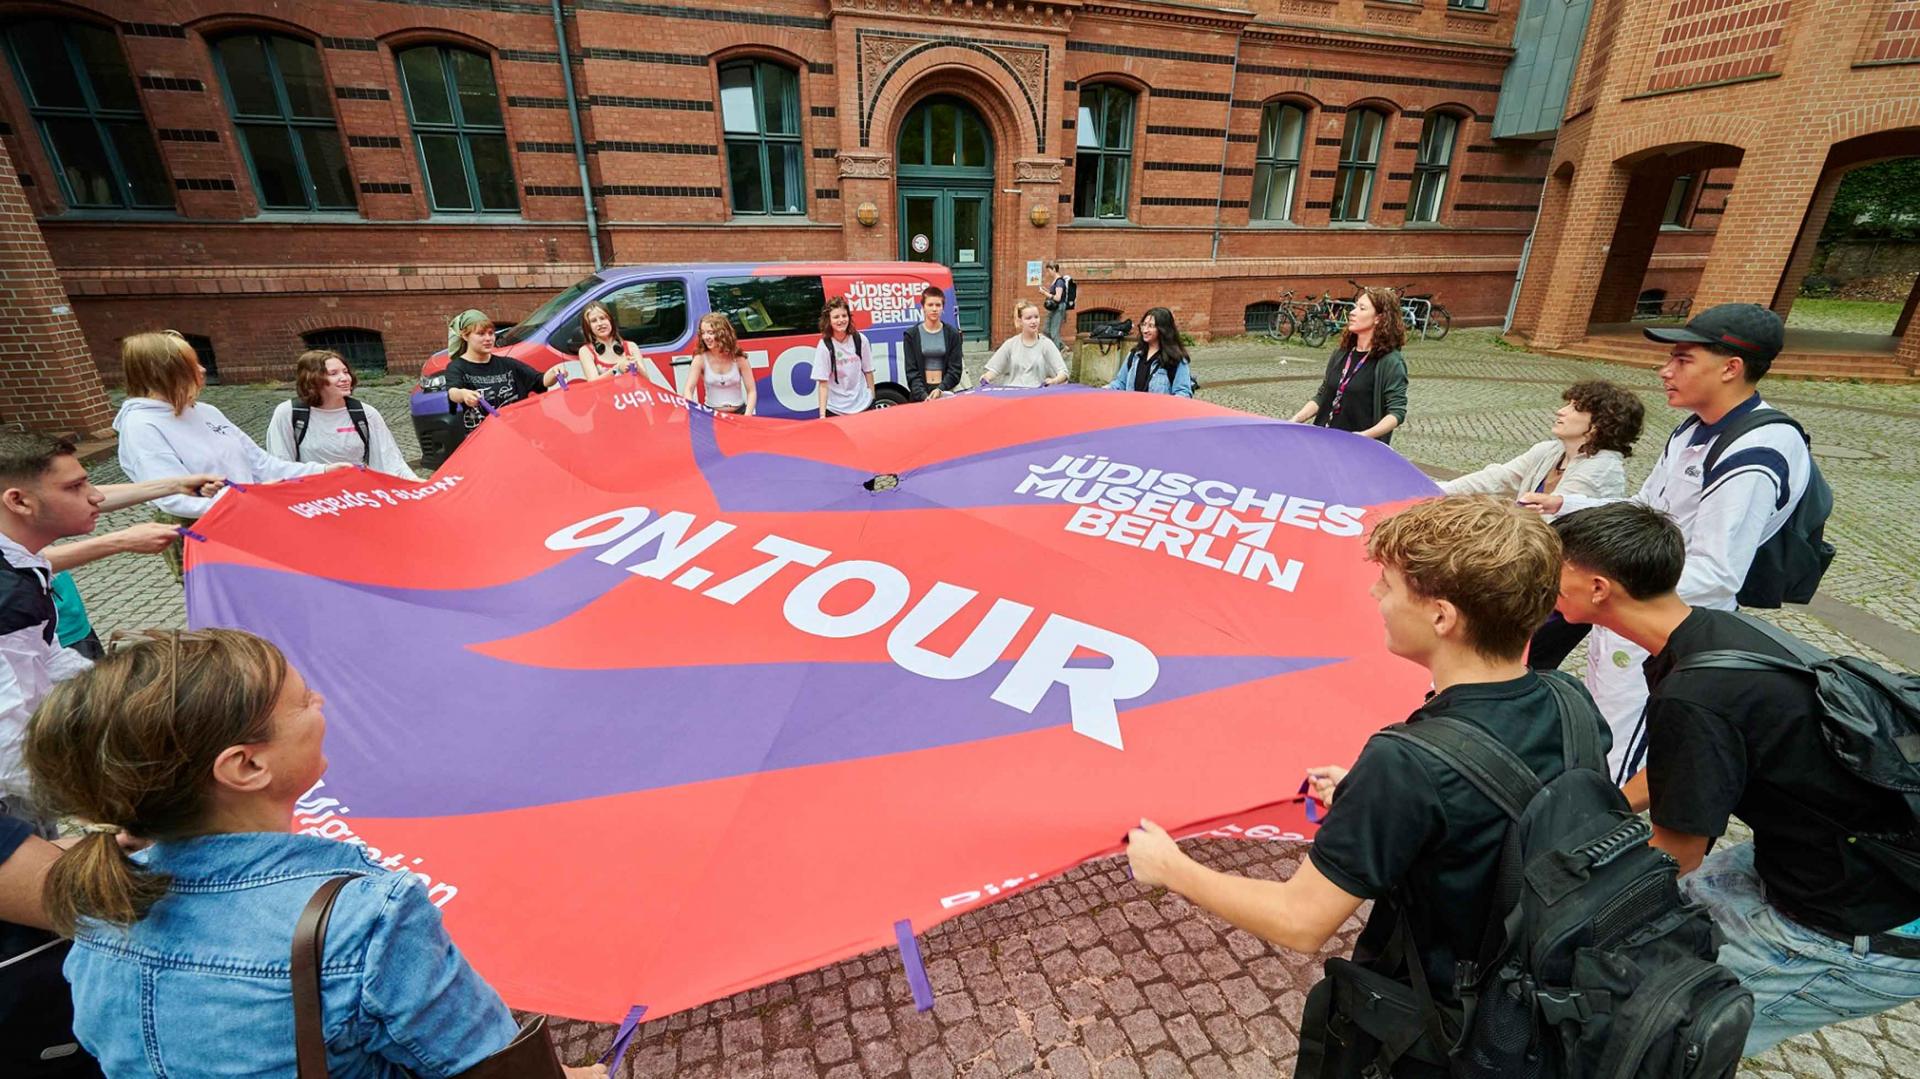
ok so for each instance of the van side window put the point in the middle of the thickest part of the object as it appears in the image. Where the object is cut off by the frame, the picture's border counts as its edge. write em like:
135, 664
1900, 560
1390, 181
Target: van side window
651, 314
768, 306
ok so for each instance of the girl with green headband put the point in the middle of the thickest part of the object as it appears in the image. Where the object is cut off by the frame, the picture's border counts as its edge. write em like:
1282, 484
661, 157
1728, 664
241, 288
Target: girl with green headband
474, 372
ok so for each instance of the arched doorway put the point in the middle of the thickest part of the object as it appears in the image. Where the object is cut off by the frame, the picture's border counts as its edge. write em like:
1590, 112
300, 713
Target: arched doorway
944, 159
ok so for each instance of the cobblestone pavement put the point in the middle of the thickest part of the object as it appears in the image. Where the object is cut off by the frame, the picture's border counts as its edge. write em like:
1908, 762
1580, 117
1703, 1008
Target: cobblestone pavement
1091, 974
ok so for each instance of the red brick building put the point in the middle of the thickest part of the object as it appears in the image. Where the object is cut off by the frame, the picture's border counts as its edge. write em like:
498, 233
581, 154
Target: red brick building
1776, 101
266, 174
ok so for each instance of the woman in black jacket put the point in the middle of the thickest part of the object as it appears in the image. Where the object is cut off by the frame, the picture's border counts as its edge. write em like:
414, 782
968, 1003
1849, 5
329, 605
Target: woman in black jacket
1365, 389
931, 370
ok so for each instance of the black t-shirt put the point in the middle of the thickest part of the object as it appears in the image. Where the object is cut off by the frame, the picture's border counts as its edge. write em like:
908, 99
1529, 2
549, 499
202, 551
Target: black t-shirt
1354, 409
1402, 818
1143, 366
502, 380
1748, 743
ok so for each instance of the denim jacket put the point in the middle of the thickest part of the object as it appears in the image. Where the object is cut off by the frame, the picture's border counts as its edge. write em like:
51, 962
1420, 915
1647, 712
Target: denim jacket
1180, 385
202, 986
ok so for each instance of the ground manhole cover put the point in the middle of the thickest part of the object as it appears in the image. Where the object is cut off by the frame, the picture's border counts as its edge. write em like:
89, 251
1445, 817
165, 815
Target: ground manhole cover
1831, 452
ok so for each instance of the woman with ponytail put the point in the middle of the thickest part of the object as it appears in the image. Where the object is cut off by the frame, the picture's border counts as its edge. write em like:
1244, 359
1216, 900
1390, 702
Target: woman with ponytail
199, 744
474, 372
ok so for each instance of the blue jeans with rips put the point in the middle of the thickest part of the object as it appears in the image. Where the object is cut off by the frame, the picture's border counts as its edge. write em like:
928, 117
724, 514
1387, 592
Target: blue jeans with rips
1801, 980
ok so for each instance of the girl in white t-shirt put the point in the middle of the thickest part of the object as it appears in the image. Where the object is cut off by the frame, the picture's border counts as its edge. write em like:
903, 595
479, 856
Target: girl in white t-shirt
325, 384
605, 351
1026, 358
842, 362
722, 378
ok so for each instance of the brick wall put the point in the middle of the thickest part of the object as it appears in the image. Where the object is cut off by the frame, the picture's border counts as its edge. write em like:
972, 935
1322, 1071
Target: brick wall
1660, 102
47, 381
255, 281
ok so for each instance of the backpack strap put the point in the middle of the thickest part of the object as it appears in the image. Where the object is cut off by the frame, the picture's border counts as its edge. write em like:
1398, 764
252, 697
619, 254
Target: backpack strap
1461, 745
358, 413
1740, 428
302, 417
1579, 723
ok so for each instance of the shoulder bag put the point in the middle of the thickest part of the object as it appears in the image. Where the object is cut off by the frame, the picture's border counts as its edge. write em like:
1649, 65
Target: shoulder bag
529, 1055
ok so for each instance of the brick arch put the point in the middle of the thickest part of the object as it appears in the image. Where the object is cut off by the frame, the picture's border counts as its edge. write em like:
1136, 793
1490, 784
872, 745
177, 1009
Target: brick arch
220, 25
300, 327
1890, 114
1627, 148
1015, 116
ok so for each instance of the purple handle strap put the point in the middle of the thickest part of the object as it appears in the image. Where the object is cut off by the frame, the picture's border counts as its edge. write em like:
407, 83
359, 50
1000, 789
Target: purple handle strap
1314, 813
623, 1038
916, 970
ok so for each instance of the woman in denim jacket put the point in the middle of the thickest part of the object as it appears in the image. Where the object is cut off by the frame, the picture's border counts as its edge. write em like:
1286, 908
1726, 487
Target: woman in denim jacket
1159, 363
201, 743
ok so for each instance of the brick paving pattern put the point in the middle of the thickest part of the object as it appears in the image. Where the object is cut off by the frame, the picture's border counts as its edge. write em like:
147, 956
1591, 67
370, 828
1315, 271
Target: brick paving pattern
1091, 975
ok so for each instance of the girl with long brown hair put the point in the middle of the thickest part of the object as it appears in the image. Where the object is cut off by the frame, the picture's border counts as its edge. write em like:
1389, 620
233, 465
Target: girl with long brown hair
722, 377
199, 744
603, 351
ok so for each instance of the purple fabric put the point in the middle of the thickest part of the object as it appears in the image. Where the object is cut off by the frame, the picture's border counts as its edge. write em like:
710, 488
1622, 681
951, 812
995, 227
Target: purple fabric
622, 1038
408, 699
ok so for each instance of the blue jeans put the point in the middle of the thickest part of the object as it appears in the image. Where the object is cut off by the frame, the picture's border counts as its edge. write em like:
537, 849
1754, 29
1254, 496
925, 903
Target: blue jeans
1801, 980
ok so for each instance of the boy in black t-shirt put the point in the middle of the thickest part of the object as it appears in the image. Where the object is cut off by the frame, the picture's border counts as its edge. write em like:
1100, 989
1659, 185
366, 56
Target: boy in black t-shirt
1463, 583
1816, 929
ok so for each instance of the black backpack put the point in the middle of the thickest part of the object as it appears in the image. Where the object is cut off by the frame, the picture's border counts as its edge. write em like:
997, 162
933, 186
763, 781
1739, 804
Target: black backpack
1073, 293
1870, 722
1789, 565
303, 417
1591, 967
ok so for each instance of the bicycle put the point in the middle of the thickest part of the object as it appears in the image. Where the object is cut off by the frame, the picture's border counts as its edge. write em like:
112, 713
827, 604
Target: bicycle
1317, 322
1283, 326
1432, 320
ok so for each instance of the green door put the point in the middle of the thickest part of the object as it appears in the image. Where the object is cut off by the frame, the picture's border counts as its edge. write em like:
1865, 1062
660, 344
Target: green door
946, 203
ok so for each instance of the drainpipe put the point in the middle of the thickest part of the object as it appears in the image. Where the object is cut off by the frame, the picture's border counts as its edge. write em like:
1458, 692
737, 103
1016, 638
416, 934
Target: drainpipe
579, 141
1226, 142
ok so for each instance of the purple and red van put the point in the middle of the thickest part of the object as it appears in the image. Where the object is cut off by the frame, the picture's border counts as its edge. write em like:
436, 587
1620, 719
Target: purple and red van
775, 309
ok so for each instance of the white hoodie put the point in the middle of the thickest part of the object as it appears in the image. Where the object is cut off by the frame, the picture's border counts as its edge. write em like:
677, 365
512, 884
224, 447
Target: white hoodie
156, 444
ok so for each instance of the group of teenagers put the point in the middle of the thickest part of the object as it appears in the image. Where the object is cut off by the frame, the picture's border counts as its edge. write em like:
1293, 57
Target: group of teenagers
179, 755
1817, 921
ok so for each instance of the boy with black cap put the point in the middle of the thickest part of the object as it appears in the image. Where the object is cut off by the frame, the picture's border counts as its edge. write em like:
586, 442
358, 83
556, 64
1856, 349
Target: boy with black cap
1816, 925
1712, 368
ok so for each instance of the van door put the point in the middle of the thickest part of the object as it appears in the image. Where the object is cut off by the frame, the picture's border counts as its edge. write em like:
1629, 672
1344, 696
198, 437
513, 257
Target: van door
652, 313
776, 318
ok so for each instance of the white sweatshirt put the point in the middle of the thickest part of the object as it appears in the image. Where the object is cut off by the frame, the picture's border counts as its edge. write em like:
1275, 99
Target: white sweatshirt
331, 438
156, 444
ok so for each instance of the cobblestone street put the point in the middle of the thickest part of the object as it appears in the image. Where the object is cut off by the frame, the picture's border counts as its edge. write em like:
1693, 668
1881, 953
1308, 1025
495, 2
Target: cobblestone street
1092, 975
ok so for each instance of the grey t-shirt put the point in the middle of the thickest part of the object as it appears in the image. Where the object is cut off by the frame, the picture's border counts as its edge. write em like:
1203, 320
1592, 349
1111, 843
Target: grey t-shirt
933, 350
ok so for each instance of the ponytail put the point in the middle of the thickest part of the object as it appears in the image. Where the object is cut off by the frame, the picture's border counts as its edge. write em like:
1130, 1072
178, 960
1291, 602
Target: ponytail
97, 880
131, 744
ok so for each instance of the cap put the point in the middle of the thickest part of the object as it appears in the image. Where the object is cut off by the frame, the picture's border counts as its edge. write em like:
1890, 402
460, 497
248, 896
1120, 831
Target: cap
1748, 329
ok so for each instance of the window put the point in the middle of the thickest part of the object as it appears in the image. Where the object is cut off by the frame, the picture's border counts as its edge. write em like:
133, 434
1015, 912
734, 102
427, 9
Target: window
81, 96
1260, 316
1104, 161
1679, 212
1099, 316
458, 129
1359, 156
362, 349
277, 96
1466, 5
544, 313
760, 113
651, 314
1430, 167
202, 346
943, 133
768, 306
1276, 169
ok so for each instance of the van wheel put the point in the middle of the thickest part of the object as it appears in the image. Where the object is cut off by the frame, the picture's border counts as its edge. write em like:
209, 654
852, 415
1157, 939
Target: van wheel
889, 396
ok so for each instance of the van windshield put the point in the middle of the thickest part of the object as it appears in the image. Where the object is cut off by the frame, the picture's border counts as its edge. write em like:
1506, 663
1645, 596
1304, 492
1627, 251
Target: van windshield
544, 314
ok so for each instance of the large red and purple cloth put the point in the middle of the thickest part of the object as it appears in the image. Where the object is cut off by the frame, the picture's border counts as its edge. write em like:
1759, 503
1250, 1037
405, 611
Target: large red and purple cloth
664, 704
